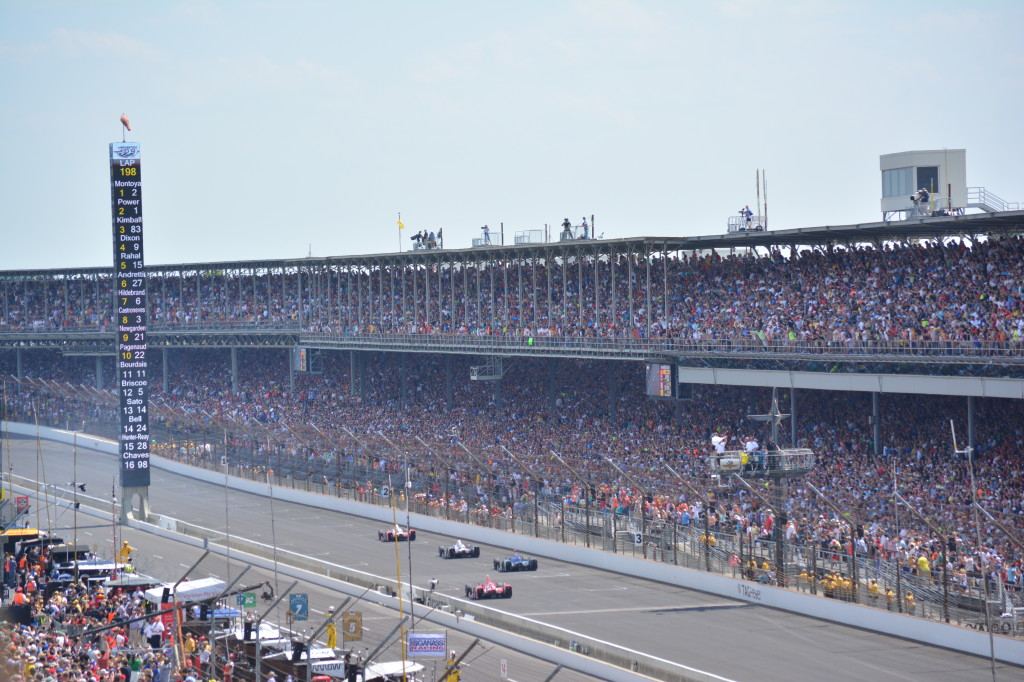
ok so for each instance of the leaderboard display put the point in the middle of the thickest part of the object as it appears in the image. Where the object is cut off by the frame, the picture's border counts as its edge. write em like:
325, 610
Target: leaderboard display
660, 380
130, 304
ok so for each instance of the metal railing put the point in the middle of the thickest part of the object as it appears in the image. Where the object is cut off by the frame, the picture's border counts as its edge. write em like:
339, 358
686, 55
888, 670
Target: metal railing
979, 197
517, 342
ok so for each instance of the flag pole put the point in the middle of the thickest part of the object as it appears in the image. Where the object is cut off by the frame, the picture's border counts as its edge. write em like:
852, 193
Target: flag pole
399, 232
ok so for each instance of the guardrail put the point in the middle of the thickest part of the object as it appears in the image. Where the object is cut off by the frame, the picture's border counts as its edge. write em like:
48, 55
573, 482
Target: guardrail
980, 197
514, 343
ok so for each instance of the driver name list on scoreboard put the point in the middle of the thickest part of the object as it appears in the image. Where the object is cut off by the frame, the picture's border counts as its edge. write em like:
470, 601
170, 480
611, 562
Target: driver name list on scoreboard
133, 385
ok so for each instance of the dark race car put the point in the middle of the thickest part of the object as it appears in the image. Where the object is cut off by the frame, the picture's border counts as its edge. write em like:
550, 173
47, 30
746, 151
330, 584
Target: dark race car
396, 534
515, 563
489, 589
458, 551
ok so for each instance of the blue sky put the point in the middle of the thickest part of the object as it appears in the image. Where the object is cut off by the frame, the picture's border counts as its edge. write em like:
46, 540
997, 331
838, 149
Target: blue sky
275, 129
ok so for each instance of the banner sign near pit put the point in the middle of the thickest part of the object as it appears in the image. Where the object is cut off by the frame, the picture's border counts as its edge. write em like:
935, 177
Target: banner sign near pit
428, 644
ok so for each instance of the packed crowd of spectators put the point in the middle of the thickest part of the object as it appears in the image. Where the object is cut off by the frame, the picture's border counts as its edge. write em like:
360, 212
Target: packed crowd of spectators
592, 414
955, 291
58, 629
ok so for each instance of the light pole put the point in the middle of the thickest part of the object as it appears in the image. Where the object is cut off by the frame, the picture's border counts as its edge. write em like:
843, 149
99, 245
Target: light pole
853, 544
447, 478
362, 446
707, 516
586, 495
408, 527
533, 484
479, 462
780, 573
969, 451
945, 546
259, 622
643, 501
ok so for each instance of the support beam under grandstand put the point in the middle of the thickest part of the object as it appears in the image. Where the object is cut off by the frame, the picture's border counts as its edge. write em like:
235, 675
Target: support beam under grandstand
792, 419
362, 377
352, 373
403, 377
165, 358
234, 370
291, 371
552, 397
99, 372
449, 395
970, 423
876, 421
613, 394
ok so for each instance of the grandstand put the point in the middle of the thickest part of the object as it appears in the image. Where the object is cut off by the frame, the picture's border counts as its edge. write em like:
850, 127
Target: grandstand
480, 364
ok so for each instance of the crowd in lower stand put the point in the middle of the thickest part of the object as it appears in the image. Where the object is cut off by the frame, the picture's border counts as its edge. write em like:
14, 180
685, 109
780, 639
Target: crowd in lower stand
589, 412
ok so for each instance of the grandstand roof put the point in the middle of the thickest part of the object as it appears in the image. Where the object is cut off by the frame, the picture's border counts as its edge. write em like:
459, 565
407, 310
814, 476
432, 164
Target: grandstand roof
1003, 223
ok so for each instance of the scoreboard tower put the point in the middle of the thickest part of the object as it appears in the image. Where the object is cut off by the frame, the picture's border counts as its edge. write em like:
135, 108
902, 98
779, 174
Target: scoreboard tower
130, 305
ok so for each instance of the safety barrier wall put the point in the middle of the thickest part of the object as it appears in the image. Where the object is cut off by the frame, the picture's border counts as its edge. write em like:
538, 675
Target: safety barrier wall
929, 632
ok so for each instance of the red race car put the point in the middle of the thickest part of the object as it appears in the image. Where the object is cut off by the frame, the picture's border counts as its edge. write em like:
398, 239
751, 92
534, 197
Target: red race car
396, 534
489, 589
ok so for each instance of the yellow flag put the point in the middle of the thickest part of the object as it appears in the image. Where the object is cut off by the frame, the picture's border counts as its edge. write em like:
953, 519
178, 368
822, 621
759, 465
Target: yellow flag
400, 225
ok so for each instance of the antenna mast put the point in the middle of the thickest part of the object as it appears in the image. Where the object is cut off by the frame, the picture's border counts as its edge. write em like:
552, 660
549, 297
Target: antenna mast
757, 186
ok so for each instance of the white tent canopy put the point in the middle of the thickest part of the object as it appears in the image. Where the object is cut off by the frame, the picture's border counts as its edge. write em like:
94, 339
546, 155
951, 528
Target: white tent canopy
189, 590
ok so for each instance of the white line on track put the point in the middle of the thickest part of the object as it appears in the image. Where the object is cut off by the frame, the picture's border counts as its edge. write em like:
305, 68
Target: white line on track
664, 607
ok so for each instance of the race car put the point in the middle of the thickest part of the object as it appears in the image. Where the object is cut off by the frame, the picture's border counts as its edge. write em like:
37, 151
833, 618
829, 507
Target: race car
396, 534
515, 563
458, 551
489, 589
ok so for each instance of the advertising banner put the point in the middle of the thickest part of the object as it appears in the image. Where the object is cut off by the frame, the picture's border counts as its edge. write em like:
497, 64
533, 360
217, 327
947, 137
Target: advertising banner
428, 644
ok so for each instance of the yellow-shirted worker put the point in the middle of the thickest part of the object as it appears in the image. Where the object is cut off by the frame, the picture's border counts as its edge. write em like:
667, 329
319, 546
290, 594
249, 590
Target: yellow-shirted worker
124, 553
451, 668
332, 631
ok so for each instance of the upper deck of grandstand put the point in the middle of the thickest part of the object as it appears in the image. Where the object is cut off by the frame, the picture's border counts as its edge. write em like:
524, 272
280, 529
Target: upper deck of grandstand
935, 290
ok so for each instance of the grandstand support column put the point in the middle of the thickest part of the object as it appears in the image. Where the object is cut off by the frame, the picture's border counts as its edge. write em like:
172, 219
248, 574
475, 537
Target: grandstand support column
613, 393
99, 372
165, 359
449, 396
362, 376
353, 366
779, 530
792, 418
234, 370
552, 398
970, 422
291, 370
876, 421
19, 370
403, 375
